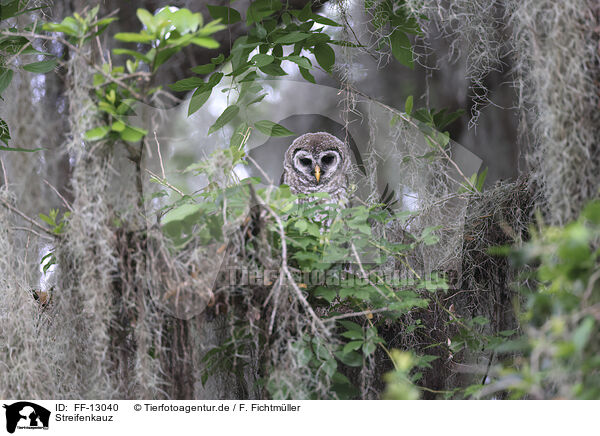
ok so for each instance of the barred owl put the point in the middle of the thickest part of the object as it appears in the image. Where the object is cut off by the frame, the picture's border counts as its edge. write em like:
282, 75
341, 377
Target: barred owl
318, 162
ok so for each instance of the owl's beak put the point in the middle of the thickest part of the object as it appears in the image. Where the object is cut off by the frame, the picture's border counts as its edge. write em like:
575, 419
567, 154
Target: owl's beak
317, 173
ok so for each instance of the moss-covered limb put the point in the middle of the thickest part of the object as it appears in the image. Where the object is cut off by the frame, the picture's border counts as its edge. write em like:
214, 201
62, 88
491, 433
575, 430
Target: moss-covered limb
489, 285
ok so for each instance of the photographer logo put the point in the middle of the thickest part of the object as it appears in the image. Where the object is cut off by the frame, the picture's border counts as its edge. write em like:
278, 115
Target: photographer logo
26, 415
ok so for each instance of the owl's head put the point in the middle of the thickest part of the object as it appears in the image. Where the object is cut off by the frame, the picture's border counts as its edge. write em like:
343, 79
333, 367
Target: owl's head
316, 162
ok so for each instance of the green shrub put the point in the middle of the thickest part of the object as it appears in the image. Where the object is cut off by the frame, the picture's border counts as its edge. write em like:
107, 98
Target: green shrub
559, 350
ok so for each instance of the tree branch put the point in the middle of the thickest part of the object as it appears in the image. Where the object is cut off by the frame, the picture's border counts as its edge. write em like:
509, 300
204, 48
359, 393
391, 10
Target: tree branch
25, 217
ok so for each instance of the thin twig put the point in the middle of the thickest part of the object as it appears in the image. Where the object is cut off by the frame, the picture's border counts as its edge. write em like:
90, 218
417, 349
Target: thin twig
27, 229
100, 48
590, 287
27, 248
301, 297
64, 200
353, 314
487, 371
164, 182
25, 217
162, 167
364, 274
142, 74
168, 95
275, 293
4, 172
265, 175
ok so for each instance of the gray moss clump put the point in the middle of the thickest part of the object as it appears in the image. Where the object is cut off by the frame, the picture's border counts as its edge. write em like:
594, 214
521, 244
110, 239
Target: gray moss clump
558, 66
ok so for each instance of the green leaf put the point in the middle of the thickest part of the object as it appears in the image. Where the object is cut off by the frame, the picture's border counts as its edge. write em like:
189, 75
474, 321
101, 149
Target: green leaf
257, 99
184, 20
325, 56
41, 67
353, 334
351, 358
306, 12
261, 9
262, 60
198, 100
324, 20
6, 76
141, 37
118, 126
238, 136
69, 26
105, 22
301, 61
51, 261
273, 70
131, 66
212, 27
125, 107
592, 212
401, 48
250, 77
227, 15
132, 133
351, 326
215, 79
180, 214
480, 320
135, 54
352, 346
218, 60
12, 45
481, 179
581, 336
270, 128
26, 150
292, 38
408, 105
204, 69
306, 74
31, 50
51, 222
227, 115
4, 132
443, 117
368, 348
97, 133
326, 293
205, 41
317, 39
104, 106
301, 225
203, 92
164, 55
187, 84
147, 19
9, 9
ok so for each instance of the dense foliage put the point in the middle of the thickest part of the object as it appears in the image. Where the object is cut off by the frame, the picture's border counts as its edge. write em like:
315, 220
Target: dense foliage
558, 348
331, 312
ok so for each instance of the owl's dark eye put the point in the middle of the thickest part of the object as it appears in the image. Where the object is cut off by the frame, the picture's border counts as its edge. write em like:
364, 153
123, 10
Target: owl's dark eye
327, 159
305, 162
